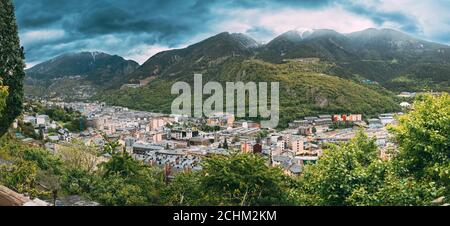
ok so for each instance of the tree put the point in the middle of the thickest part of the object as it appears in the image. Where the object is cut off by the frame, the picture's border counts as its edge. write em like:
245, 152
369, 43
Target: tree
261, 135
78, 181
332, 180
11, 64
43, 158
243, 179
225, 144
77, 155
21, 176
51, 182
395, 191
423, 136
352, 174
184, 190
125, 181
114, 190
237, 179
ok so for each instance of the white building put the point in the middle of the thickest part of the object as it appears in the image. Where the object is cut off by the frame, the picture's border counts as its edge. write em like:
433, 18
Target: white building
29, 119
42, 119
405, 105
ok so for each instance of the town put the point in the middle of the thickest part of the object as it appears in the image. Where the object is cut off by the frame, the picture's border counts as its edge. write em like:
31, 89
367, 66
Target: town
178, 143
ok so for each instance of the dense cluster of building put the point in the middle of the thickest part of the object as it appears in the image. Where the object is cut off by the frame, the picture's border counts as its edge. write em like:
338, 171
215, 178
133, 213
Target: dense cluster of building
178, 143
43, 126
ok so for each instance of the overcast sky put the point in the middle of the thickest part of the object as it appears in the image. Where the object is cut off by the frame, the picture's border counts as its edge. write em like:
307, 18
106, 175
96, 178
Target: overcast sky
138, 29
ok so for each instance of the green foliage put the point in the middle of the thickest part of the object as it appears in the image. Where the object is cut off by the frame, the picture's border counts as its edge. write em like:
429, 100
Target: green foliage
38, 173
3, 96
238, 179
305, 89
58, 113
207, 128
21, 176
338, 172
78, 181
74, 121
396, 191
11, 65
261, 135
114, 190
29, 168
27, 130
122, 164
371, 55
184, 190
125, 181
244, 179
352, 174
78, 156
78, 124
423, 136
225, 144
43, 159
342, 125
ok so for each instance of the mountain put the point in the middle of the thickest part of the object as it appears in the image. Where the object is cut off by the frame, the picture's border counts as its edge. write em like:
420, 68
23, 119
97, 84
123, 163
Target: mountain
400, 62
86, 71
320, 71
97, 67
388, 43
198, 57
393, 59
320, 43
306, 88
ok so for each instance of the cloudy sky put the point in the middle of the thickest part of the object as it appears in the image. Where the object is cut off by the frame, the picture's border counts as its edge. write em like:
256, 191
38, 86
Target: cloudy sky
138, 29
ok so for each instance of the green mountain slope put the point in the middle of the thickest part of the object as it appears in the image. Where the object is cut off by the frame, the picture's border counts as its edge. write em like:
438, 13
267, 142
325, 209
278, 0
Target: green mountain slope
305, 89
198, 57
95, 66
76, 75
320, 71
380, 55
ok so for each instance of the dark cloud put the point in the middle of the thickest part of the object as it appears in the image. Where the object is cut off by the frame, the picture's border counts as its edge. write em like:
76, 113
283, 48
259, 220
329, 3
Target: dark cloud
407, 23
278, 3
167, 22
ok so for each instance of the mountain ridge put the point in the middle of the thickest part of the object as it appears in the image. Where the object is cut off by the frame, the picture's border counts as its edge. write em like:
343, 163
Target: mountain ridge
362, 53
86, 71
368, 61
89, 64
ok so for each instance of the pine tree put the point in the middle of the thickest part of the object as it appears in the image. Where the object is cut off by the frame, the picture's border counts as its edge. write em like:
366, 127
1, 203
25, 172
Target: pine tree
11, 64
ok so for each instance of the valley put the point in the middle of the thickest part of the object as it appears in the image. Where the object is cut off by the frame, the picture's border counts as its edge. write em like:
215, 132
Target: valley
320, 71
